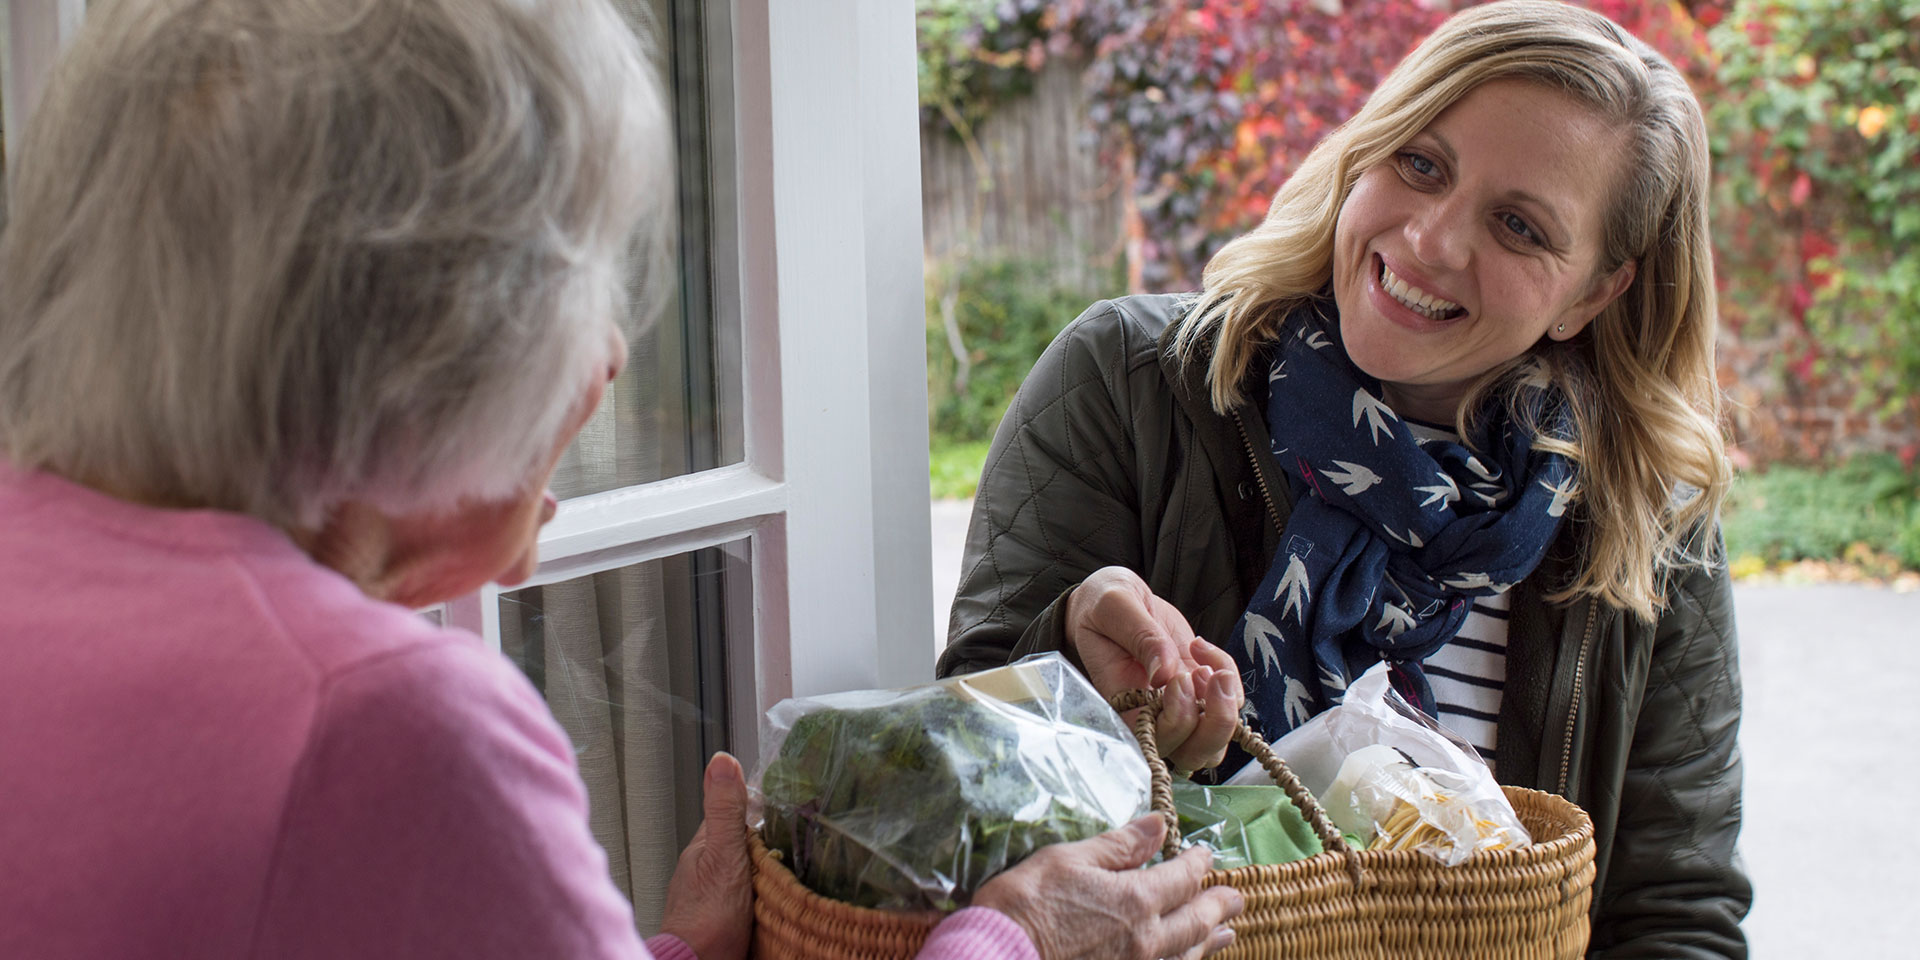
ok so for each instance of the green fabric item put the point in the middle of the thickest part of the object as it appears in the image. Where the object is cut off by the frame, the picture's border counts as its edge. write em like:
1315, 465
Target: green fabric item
1245, 826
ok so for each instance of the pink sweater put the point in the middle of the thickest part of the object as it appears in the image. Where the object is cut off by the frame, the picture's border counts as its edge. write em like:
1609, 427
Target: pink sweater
212, 747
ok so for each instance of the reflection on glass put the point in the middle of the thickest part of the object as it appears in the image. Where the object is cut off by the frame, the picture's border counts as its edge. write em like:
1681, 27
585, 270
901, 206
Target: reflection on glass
666, 415
6, 61
633, 664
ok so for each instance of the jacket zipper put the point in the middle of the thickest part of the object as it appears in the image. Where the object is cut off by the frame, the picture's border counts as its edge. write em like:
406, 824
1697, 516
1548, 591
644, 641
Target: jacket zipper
1579, 684
1253, 459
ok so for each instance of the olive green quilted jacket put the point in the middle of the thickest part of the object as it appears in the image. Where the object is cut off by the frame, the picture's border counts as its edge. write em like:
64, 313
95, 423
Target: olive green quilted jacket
1111, 454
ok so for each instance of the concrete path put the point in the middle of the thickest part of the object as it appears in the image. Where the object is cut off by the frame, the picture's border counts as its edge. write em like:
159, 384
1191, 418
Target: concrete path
1831, 730
1832, 725
949, 542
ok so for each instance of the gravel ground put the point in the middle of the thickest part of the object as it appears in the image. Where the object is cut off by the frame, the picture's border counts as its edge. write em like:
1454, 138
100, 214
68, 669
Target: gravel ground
1832, 838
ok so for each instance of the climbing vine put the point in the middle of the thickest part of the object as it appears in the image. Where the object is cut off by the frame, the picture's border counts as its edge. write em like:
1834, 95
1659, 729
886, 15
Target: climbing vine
1817, 144
1205, 107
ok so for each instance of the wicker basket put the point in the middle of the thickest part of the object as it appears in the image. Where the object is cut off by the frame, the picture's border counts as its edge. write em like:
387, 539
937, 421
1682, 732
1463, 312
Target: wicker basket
1525, 904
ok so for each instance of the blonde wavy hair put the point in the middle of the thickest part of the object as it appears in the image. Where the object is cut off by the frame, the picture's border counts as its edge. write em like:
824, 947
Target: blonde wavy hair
1639, 381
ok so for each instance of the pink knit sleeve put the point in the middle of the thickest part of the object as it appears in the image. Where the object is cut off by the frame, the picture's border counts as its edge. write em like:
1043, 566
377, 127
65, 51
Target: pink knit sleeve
666, 946
437, 813
978, 933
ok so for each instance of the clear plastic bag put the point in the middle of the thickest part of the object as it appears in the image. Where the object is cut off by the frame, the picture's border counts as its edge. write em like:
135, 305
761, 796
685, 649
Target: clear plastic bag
1243, 825
1392, 776
912, 798
1206, 819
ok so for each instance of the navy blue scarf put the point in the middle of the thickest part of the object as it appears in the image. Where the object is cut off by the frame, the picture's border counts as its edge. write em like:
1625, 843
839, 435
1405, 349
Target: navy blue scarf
1390, 538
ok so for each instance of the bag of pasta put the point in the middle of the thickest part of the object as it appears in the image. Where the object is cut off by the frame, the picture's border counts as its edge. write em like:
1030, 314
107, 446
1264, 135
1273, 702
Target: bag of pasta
1393, 777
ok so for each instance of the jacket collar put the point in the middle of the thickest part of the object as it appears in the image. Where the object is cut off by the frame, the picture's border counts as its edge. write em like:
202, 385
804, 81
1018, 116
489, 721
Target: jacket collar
1239, 438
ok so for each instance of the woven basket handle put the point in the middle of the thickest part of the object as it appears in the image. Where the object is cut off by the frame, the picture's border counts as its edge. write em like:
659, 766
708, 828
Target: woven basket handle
1148, 703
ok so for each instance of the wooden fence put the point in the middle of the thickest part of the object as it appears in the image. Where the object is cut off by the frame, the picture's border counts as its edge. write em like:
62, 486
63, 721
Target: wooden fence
1037, 190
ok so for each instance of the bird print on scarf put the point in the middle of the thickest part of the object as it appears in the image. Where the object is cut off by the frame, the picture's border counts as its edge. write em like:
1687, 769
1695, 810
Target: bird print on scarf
1390, 537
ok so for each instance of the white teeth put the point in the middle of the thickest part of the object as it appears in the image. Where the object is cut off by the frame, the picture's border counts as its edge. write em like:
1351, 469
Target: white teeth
1413, 297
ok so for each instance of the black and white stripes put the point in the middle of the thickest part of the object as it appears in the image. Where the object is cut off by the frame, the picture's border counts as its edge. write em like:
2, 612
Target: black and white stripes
1469, 673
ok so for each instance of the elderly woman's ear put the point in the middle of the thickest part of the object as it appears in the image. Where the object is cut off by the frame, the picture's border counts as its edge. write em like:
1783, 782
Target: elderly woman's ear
428, 556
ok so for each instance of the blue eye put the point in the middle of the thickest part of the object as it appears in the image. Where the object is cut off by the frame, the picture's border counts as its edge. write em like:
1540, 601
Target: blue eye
1520, 228
1420, 165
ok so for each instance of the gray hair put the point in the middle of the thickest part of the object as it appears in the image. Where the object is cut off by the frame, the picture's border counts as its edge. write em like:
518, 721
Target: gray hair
272, 257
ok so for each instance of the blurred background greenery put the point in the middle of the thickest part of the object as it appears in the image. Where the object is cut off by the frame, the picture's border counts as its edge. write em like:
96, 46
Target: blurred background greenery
1080, 149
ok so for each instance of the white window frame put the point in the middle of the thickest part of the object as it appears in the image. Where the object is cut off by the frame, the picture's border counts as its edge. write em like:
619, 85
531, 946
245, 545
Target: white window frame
817, 254
36, 31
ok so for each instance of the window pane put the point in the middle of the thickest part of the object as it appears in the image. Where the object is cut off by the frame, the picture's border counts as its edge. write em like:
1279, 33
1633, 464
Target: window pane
634, 663
6, 64
668, 413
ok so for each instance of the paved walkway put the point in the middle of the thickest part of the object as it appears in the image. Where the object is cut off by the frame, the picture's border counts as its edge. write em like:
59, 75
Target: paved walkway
1832, 727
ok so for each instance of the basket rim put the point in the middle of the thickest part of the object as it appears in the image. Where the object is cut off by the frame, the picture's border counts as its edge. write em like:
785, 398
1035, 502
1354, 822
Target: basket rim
766, 859
1571, 847
1566, 847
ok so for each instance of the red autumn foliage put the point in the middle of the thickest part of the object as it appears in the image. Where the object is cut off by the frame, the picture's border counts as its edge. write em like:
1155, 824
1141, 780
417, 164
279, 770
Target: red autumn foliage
1213, 104
1207, 106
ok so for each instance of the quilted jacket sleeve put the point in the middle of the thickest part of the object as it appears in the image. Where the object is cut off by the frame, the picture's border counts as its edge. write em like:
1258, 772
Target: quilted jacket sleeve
1056, 501
1676, 887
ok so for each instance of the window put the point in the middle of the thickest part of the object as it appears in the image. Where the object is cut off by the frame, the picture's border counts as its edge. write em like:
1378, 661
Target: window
749, 507
634, 664
5, 108
760, 528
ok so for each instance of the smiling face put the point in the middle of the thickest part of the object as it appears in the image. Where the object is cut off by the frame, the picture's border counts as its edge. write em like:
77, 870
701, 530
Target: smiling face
1475, 239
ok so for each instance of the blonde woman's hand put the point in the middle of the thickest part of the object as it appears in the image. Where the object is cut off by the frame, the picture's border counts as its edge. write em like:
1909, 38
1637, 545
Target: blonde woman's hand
710, 898
1087, 900
1128, 638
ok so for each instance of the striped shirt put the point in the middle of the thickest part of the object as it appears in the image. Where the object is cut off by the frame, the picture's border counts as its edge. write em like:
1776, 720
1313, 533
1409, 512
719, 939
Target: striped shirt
1469, 673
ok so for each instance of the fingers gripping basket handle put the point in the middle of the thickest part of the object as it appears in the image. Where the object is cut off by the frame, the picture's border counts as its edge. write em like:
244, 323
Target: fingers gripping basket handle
1148, 703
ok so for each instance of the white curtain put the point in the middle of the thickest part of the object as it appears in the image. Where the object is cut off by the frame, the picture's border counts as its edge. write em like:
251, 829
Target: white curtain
600, 646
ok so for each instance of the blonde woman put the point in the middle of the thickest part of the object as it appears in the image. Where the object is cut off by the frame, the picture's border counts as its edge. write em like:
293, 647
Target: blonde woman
1451, 406
299, 305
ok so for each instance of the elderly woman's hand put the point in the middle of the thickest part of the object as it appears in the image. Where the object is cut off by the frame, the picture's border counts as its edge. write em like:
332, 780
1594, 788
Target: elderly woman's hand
710, 898
1086, 899
1129, 638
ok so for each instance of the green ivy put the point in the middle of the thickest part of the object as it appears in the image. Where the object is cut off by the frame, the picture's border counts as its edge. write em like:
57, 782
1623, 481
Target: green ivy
1817, 147
969, 60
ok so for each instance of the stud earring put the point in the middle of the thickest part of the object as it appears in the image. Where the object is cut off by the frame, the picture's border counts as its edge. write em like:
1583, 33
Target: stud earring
1562, 328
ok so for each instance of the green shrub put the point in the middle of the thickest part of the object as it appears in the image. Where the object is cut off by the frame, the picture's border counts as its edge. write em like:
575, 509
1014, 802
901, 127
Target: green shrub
1799, 513
1005, 312
954, 468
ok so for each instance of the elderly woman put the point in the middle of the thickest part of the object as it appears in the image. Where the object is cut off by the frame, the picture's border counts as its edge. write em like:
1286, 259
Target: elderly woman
1451, 406
299, 304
